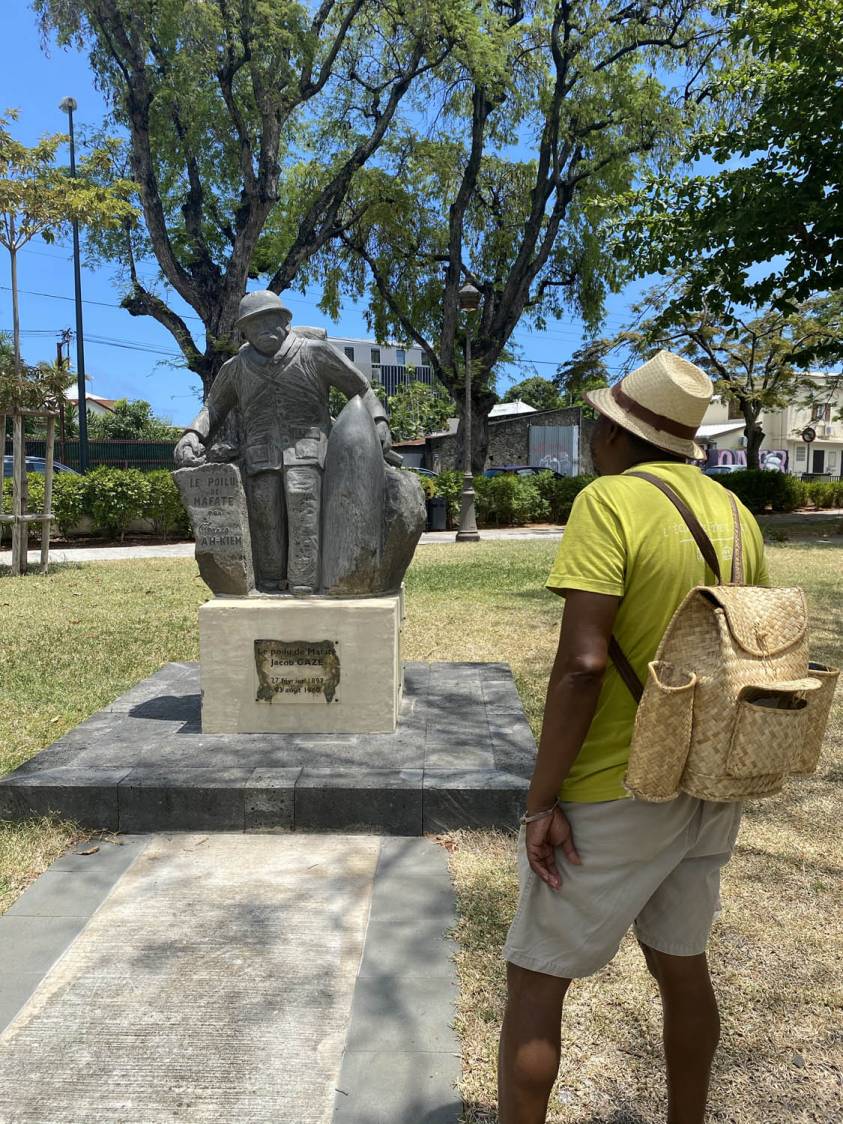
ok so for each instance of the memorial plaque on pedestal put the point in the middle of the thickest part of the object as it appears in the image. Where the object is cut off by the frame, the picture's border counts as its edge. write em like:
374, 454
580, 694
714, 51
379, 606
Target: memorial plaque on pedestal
300, 671
216, 503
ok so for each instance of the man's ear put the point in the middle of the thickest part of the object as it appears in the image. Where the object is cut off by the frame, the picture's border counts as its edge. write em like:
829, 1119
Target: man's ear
615, 433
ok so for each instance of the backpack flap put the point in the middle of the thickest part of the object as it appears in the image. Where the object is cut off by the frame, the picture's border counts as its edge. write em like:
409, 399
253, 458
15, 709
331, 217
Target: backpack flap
764, 622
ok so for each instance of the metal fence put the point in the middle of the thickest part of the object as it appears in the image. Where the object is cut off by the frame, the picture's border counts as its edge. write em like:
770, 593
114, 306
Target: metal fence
821, 477
145, 455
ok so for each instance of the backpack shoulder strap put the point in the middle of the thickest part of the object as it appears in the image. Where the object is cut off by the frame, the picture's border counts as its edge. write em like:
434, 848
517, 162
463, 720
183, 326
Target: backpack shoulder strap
625, 670
737, 547
624, 667
691, 522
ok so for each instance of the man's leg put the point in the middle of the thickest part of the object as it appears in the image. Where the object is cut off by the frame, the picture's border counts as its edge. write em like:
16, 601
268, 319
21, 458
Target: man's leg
691, 1031
528, 1057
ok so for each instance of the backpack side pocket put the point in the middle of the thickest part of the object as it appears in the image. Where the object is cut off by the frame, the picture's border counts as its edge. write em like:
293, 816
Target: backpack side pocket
819, 707
662, 736
773, 726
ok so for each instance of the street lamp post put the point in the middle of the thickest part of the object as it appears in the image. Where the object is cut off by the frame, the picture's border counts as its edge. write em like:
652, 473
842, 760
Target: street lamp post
469, 299
67, 105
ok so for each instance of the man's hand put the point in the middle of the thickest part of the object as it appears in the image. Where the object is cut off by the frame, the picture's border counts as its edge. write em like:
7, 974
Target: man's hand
190, 451
543, 837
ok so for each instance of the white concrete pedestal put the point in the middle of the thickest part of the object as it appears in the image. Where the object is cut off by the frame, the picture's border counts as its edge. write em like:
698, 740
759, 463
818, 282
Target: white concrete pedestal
310, 666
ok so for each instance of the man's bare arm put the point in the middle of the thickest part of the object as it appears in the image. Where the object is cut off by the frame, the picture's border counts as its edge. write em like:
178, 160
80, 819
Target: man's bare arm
573, 690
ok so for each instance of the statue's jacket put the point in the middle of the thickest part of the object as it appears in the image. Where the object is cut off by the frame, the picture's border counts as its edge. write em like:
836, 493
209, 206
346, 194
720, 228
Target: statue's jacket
284, 401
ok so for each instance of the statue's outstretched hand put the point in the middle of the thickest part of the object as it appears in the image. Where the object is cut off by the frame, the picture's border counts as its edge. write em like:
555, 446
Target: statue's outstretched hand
384, 435
190, 451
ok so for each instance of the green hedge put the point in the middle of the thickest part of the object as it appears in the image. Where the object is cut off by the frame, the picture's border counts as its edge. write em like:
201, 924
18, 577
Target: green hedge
112, 497
507, 500
777, 491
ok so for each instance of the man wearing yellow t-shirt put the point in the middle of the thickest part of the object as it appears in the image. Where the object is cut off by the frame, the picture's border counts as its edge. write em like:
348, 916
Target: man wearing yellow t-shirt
593, 860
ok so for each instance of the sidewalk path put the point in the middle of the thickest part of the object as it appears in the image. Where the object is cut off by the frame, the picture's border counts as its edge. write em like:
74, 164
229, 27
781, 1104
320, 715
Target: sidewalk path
269, 979
185, 549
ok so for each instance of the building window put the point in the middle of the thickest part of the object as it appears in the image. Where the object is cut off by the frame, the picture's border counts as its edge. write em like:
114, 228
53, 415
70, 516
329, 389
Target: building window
832, 460
376, 357
801, 454
401, 357
822, 411
349, 351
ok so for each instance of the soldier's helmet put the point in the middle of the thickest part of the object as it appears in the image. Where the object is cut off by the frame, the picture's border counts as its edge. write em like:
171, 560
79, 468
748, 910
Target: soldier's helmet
261, 301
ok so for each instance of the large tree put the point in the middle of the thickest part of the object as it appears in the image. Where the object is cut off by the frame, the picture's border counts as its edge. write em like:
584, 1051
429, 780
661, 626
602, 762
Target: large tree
754, 358
237, 110
585, 370
417, 409
508, 172
541, 394
768, 229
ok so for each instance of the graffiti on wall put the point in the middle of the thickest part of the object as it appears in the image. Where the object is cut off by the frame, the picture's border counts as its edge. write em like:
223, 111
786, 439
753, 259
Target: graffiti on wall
767, 458
555, 447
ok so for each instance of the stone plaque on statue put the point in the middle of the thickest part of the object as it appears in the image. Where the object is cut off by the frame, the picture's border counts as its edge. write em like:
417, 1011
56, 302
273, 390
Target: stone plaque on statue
297, 671
216, 503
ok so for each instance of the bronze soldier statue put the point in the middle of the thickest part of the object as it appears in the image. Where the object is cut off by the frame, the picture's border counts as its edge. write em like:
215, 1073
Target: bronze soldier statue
280, 382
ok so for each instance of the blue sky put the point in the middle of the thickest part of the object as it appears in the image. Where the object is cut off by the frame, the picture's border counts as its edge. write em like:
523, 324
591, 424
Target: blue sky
131, 357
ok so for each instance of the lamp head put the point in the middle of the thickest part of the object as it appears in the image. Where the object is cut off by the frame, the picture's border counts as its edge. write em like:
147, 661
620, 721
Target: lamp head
469, 297
67, 105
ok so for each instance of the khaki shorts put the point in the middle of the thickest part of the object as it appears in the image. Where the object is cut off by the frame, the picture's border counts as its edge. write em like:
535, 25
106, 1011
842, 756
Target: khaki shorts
656, 866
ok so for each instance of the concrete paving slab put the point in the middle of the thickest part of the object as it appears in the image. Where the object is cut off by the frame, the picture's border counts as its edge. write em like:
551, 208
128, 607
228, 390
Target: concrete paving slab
56, 906
88, 796
268, 799
143, 764
15, 989
33, 944
401, 1013
214, 983
391, 1087
407, 948
113, 855
472, 798
370, 800
208, 798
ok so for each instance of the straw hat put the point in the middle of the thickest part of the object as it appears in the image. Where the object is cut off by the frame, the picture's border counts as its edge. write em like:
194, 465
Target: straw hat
663, 402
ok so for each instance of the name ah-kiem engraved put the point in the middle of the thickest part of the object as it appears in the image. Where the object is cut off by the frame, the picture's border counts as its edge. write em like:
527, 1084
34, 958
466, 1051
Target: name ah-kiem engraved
297, 671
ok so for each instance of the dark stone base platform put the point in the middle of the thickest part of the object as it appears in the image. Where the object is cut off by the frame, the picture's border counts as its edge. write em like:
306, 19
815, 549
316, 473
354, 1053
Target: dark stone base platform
461, 757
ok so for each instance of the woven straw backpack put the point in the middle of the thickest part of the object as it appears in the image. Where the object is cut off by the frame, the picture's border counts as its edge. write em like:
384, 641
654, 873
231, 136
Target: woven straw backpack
732, 704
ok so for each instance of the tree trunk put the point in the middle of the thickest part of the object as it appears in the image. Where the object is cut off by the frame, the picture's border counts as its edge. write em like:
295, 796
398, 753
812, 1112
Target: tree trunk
479, 433
13, 254
754, 436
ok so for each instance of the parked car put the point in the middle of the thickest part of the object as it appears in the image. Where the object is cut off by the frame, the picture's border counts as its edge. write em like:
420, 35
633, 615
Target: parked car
722, 469
35, 464
521, 470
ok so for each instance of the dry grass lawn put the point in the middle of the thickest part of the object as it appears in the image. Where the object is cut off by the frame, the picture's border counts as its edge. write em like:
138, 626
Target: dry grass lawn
73, 642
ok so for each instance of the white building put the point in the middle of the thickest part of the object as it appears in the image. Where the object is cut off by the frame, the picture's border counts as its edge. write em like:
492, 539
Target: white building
389, 364
93, 403
783, 446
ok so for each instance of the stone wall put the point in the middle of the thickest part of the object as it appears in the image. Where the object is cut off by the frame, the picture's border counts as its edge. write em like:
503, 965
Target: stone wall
509, 440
